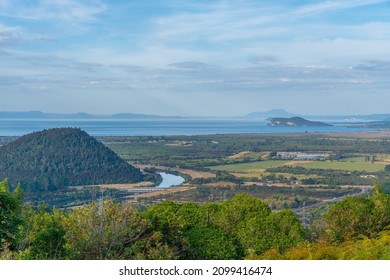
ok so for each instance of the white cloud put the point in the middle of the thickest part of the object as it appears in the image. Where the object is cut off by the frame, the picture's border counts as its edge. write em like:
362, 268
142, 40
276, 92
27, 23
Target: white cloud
236, 27
67, 10
326, 6
223, 49
9, 34
232, 20
227, 21
263, 59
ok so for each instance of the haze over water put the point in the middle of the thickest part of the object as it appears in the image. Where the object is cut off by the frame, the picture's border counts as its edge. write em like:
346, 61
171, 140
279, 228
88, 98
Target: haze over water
158, 127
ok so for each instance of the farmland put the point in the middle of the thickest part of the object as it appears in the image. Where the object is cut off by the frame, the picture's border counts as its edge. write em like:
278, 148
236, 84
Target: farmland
347, 165
250, 167
217, 167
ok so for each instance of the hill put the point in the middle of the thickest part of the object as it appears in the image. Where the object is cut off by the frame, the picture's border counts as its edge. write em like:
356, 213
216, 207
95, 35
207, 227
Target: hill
55, 158
295, 121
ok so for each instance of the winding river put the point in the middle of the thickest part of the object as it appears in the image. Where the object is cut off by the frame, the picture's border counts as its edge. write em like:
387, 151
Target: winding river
170, 180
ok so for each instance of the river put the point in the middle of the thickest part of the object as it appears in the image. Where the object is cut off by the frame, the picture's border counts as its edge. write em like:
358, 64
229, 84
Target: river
170, 180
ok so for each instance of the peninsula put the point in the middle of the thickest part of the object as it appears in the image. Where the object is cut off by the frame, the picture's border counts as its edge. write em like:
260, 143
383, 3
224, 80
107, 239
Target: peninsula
295, 121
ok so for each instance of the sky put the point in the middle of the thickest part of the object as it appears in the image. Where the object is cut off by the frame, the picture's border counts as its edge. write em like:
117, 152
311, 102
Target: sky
196, 57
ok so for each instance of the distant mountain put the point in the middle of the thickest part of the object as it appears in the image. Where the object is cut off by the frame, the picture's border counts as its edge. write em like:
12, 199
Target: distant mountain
295, 121
56, 158
270, 114
40, 115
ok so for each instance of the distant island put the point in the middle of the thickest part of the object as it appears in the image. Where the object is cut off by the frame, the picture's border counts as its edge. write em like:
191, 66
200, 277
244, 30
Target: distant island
295, 121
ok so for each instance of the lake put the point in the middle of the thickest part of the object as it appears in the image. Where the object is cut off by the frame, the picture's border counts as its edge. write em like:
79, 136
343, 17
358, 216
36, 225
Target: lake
19, 127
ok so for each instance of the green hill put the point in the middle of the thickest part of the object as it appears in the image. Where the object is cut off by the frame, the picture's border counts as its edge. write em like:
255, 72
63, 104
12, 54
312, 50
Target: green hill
53, 159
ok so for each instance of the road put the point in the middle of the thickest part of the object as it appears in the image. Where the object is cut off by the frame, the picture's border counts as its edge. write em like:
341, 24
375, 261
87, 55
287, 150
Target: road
364, 190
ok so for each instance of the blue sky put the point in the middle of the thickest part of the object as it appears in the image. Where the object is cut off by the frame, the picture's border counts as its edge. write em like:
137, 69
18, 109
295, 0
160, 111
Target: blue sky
219, 58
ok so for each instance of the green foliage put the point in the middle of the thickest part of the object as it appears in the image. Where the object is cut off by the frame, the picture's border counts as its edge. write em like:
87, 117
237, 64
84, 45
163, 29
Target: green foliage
382, 207
243, 224
355, 216
103, 231
172, 221
10, 216
151, 247
363, 248
42, 235
350, 218
236, 211
241, 227
287, 230
279, 230
208, 243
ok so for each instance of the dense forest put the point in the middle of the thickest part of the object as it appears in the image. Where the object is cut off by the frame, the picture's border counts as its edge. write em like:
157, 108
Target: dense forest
239, 228
53, 159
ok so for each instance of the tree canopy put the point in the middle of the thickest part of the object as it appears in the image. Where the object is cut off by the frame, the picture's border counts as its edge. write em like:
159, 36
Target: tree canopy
239, 228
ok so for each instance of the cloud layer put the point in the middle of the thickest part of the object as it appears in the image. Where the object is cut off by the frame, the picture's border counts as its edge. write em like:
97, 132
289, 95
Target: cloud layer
199, 57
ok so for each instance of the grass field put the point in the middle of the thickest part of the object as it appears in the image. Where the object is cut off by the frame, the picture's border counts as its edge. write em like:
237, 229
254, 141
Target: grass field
347, 166
353, 164
251, 155
251, 167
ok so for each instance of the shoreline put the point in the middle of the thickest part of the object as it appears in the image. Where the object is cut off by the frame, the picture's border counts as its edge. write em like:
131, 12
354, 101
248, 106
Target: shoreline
361, 134
172, 128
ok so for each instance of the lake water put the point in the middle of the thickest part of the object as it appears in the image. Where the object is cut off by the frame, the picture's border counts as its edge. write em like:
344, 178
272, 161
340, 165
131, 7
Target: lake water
170, 180
18, 127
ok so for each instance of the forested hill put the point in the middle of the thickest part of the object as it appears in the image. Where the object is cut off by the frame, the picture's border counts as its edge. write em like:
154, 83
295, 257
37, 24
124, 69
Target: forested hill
55, 158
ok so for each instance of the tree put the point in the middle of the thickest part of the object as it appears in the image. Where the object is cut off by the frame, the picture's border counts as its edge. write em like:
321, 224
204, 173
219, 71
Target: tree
350, 218
10, 215
42, 235
210, 243
382, 207
235, 212
279, 230
103, 230
173, 220
285, 230
355, 216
